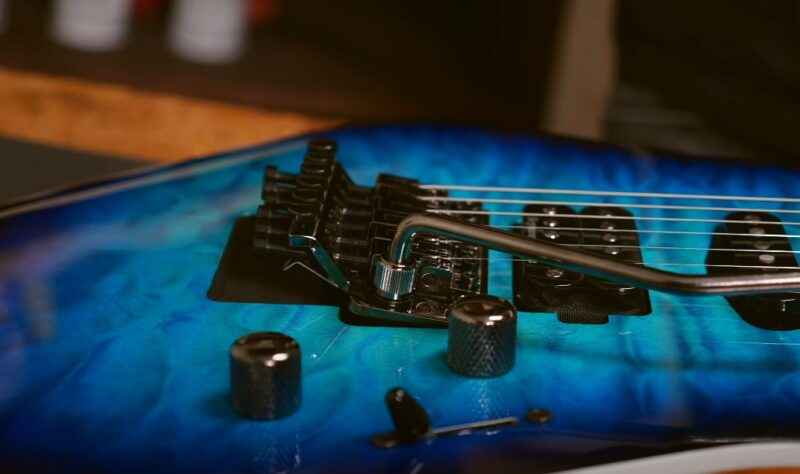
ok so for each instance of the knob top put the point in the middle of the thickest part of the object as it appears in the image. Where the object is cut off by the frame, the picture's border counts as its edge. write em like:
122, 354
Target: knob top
268, 348
483, 310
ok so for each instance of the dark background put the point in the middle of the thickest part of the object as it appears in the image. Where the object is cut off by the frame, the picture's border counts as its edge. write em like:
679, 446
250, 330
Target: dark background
718, 78
471, 62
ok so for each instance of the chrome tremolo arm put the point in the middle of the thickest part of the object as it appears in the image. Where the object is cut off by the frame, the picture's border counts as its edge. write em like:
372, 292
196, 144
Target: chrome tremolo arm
569, 259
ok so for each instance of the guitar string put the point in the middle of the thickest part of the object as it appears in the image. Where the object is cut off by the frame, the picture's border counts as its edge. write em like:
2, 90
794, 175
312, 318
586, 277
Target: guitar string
585, 192
640, 231
647, 231
657, 247
607, 218
605, 204
666, 264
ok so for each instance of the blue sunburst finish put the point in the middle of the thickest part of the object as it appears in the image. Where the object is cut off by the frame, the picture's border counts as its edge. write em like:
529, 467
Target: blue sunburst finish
113, 358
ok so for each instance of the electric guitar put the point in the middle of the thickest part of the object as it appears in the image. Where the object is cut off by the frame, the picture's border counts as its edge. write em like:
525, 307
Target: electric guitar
402, 299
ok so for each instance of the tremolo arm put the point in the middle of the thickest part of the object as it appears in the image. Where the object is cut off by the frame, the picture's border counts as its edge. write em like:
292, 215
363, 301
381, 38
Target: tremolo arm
559, 256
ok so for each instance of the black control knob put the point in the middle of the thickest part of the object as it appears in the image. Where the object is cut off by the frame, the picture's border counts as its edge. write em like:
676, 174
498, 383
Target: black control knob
265, 375
482, 336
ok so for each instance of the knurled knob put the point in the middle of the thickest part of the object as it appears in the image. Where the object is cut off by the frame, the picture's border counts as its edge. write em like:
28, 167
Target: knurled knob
265, 375
482, 336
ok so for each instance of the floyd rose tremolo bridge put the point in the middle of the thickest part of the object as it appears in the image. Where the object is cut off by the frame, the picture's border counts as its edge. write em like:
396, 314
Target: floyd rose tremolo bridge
399, 256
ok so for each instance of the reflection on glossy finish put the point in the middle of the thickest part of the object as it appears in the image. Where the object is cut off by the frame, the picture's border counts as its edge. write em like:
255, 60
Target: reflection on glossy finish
111, 356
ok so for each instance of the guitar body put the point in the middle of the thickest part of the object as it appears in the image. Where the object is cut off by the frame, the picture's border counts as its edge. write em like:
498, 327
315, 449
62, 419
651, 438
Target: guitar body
112, 357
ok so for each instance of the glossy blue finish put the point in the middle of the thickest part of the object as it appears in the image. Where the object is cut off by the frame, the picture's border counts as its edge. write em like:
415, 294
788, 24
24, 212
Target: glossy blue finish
112, 357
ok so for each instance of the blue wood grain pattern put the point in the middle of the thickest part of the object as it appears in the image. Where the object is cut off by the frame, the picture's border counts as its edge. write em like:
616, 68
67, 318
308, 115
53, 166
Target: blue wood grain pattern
112, 357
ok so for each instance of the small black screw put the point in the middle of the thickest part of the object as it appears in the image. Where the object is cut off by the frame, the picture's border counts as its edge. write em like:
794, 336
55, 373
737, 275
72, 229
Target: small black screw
539, 416
428, 279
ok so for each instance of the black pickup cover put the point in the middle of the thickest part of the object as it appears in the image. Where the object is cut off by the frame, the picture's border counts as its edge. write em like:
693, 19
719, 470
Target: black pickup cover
751, 242
575, 297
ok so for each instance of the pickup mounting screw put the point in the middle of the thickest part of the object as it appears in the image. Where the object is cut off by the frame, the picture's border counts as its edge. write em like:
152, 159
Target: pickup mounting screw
609, 238
428, 279
551, 234
549, 210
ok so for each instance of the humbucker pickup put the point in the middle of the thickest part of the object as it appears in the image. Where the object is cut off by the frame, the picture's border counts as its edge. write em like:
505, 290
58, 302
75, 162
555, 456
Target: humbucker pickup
751, 242
575, 297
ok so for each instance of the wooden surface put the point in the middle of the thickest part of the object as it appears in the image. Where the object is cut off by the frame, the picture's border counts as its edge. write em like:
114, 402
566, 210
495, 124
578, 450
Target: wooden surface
113, 120
766, 470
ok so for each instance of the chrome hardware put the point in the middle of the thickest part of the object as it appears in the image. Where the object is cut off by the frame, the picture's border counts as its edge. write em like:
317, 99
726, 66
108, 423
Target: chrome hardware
332, 272
583, 262
392, 281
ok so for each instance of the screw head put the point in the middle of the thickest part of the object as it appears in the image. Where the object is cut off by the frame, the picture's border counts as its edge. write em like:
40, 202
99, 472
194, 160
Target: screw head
554, 273
761, 245
609, 238
550, 222
551, 234
549, 210
428, 279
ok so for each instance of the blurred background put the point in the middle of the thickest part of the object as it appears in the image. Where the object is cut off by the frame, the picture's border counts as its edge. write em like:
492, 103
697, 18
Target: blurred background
89, 87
